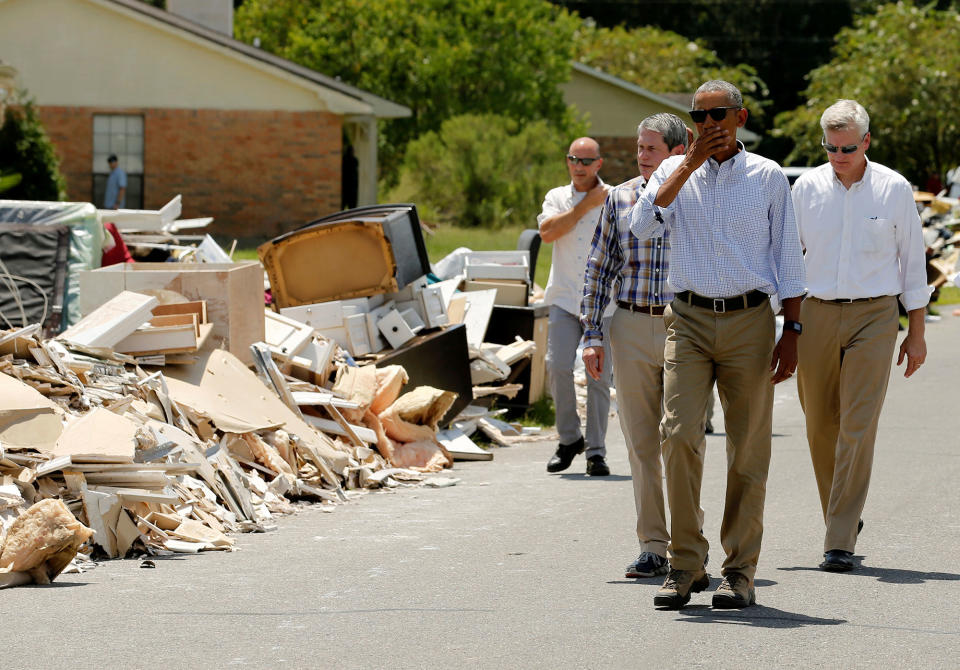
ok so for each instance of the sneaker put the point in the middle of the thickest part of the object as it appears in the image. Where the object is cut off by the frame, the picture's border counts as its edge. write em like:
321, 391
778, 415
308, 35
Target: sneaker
564, 456
597, 467
648, 564
676, 590
734, 592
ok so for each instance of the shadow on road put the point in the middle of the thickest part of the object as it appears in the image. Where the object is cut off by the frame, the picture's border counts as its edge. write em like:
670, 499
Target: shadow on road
655, 581
887, 575
582, 476
757, 616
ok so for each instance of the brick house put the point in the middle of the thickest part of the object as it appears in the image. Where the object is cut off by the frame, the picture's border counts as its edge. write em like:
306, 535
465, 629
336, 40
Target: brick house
616, 107
251, 139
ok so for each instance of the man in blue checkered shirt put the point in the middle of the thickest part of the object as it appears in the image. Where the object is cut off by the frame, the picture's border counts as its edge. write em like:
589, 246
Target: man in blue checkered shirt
734, 243
634, 273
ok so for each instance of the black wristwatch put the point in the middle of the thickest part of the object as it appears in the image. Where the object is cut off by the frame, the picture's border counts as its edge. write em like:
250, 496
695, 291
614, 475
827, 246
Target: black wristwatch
795, 326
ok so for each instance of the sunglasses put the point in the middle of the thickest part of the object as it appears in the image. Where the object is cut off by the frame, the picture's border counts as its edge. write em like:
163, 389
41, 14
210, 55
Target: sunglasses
847, 148
582, 161
717, 114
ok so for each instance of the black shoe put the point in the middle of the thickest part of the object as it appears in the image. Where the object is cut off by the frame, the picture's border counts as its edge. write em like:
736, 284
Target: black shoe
597, 467
708, 429
837, 560
564, 456
859, 526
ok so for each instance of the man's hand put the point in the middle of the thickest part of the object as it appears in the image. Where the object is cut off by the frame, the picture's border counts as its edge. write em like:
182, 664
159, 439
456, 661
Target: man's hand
784, 362
713, 140
595, 197
593, 361
914, 348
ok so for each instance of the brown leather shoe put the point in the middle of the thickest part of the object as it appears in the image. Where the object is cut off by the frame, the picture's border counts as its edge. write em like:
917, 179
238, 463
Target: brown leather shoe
734, 592
676, 589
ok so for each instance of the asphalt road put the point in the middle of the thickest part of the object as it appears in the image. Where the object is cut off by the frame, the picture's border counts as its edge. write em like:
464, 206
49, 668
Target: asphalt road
517, 568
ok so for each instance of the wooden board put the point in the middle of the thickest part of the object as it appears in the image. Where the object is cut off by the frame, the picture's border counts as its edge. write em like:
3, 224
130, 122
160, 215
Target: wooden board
112, 321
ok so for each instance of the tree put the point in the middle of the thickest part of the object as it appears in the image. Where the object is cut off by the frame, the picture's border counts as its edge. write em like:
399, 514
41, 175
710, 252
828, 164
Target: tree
441, 58
482, 170
664, 62
27, 152
900, 63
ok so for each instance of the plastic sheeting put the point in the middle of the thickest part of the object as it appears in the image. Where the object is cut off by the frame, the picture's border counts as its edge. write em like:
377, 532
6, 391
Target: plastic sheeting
86, 239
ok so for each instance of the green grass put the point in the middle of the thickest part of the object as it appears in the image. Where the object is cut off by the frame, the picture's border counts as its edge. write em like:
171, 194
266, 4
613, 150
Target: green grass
949, 295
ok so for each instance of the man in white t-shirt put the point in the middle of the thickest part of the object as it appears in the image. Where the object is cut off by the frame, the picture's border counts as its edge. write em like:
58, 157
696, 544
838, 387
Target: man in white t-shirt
568, 220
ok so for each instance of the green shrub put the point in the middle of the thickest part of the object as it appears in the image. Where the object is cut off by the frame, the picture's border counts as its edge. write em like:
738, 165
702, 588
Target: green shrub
25, 150
482, 170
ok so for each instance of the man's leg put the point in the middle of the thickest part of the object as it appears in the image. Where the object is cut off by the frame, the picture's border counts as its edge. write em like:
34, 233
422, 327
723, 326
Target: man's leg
563, 337
818, 383
598, 402
745, 341
871, 329
637, 342
688, 377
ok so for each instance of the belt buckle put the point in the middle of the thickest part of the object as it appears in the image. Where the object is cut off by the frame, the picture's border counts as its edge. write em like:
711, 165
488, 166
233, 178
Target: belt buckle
719, 306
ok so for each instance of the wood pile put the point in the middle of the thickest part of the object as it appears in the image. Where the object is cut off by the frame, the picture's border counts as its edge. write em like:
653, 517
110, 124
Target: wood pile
157, 460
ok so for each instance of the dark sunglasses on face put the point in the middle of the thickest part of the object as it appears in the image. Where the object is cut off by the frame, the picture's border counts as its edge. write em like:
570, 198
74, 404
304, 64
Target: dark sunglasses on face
717, 114
582, 161
847, 148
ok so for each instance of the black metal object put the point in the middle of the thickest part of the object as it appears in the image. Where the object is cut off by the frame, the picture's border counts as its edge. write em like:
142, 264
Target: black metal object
440, 359
506, 323
39, 254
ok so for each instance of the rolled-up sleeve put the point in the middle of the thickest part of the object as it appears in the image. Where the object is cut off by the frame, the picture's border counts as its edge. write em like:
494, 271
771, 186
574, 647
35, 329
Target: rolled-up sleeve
647, 220
785, 246
551, 207
912, 253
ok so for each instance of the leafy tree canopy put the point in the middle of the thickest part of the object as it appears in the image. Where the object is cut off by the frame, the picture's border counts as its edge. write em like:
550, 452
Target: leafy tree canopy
901, 63
482, 170
441, 58
664, 62
29, 167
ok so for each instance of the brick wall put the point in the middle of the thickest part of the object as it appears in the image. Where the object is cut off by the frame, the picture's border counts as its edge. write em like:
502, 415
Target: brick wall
257, 173
619, 159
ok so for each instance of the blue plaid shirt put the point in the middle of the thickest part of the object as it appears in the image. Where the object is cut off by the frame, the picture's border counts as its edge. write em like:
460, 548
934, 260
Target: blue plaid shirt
640, 266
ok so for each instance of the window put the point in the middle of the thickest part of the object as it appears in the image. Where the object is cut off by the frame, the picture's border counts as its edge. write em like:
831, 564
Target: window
120, 134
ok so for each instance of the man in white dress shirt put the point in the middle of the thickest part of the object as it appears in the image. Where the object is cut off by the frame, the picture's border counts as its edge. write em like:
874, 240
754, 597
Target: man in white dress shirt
734, 243
568, 221
864, 248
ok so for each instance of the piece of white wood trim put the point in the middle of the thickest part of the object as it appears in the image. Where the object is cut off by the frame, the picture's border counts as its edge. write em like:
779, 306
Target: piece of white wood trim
112, 321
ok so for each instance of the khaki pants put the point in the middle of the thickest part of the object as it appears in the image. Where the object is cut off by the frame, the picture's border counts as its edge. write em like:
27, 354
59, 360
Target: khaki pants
845, 359
735, 349
637, 341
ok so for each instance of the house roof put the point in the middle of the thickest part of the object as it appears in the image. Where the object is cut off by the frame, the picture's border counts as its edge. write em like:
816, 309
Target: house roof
676, 101
382, 108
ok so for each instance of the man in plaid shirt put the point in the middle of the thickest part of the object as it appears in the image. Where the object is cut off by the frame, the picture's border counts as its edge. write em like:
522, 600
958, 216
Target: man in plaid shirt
634, 273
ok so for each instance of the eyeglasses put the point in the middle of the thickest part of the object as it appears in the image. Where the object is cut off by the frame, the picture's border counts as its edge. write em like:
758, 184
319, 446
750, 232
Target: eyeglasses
717, 114
846, 148
583, 161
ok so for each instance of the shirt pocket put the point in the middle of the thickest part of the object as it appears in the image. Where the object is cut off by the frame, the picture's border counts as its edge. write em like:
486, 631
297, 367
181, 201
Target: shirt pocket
878, 235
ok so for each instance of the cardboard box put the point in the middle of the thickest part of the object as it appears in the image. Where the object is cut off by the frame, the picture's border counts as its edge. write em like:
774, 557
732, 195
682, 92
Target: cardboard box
498, 265
233, 292
513, 292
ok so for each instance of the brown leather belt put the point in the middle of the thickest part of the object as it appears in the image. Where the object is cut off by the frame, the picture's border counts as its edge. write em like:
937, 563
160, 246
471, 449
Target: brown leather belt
721, 305
655, 310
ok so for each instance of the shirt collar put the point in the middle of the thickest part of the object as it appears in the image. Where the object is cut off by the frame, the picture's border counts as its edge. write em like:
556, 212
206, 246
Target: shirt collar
867, 172
574, 191
735, 161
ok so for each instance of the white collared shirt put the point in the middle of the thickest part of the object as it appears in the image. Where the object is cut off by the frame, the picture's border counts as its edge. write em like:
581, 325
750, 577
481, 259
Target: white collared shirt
732, 228
570, 252
861, 242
